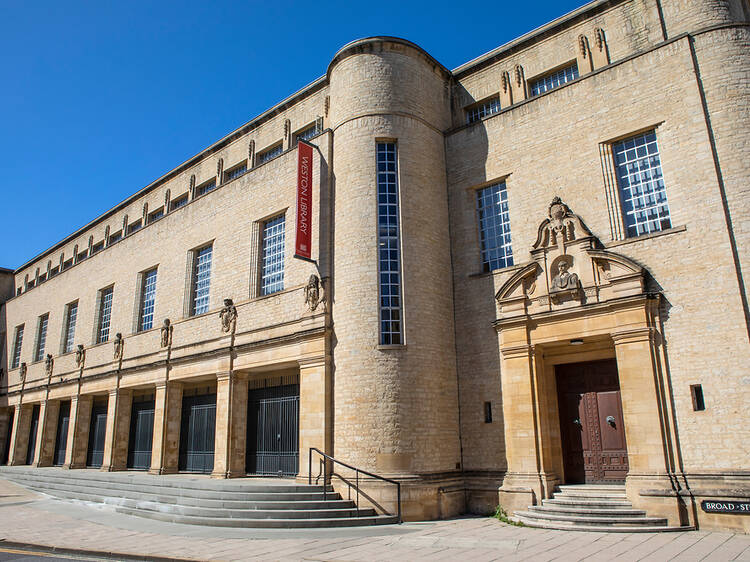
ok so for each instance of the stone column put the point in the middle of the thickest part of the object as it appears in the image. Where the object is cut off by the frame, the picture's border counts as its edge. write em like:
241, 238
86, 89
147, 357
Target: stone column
78, 431
118, 430
49, 412
522, 485
165, 452
20, 436
315, 417
231, 425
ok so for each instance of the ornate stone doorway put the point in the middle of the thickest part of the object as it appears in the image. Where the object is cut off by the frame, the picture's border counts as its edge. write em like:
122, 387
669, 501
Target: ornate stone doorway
592, 429
575, 301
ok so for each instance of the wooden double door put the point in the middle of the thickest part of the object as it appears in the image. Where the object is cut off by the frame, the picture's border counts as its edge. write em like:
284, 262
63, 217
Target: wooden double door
591, 422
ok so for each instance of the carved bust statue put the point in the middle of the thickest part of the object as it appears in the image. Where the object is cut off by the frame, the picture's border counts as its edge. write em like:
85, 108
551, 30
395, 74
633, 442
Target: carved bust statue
564, 280
313, 290
228, 316
166, 333
49, 364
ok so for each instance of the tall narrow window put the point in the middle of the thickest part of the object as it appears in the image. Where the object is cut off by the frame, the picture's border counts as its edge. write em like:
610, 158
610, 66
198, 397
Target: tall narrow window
389, 261
201, 279
70, 327
272, 274
41, 337
642, 192
17, 344
554, 79
105, 314
494, 227
148, 298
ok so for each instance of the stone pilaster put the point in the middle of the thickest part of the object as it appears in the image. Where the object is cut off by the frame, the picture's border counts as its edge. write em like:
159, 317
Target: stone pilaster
49, 411
20, 437
78, 431
165, 450
231, 425
315, 416
118, 430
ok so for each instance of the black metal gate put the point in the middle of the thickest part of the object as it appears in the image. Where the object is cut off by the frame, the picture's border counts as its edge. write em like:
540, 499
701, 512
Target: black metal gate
197, 433
61, 439
6, 449
32, 434
141, 434
97, 432
273, 430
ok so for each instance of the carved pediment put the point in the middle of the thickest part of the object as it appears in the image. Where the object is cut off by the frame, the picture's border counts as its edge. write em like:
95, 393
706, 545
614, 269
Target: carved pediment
560, 227
567, 269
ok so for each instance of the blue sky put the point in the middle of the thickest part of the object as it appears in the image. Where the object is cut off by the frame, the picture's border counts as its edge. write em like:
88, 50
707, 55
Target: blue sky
101, 98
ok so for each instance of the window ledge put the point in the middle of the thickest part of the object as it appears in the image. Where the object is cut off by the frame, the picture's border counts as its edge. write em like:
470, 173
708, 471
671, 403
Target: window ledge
673, 230
393, 346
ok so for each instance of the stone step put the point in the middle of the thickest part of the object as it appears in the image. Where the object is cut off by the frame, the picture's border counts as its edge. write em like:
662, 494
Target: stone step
597, 487
115, 499
585, 510
264, 523
593, 520
196, 501
584, 494
142, 480
123, 489
567, 526
595, 503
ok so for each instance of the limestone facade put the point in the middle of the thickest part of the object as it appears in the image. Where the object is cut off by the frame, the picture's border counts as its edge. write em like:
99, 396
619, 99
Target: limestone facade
463, 407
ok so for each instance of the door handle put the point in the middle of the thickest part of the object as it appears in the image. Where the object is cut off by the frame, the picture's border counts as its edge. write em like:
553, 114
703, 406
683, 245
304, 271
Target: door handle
611, 420
577, 422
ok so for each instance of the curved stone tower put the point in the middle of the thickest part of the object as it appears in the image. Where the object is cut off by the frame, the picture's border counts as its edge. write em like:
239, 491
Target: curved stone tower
395, 406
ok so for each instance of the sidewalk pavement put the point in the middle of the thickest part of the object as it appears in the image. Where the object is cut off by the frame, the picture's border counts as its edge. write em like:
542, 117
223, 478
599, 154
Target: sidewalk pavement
31, 518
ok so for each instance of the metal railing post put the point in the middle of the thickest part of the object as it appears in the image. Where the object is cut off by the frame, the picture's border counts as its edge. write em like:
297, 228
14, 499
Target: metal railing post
357, 477
309, 466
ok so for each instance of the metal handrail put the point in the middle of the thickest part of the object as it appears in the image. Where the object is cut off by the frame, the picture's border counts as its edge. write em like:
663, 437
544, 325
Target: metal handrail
356, 470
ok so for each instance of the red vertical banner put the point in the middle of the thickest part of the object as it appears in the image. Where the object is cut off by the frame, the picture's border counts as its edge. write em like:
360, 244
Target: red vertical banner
303, 239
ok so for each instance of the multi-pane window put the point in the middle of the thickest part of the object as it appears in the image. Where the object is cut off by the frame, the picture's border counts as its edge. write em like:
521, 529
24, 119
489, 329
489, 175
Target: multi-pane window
17, 344
132, 227
70, 327
156, 215
494, 227
642, 193
115, 237
105, 314
98, 247
148, 298
201, 279
41, 337
178, 202
269, 154
308, 133
555, 79
389, 262
206, 187
272, 273
487, 107
236, 172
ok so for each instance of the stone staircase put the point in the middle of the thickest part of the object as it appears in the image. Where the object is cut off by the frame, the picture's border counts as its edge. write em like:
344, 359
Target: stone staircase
197, 500
592, 507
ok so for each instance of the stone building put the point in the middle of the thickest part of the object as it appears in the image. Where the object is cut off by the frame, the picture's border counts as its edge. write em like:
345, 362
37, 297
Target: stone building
525, 272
